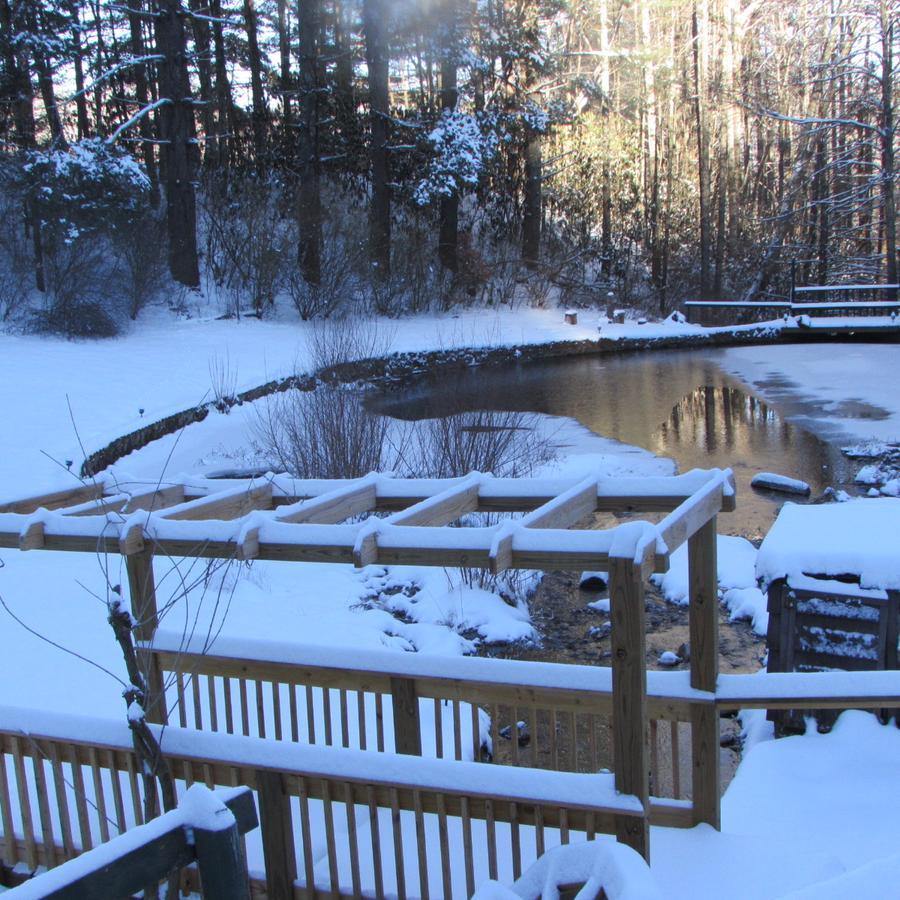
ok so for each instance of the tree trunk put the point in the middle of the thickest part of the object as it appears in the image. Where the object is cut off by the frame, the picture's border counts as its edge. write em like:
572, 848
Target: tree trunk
533, 200
44, 73
200, 27
84, 127
224, 117
309, 205
142, 93
179, 147
448, 229
286, 86
605, 178
375, 25
259, 115
782, 221
22, 94
889, 209
702, 149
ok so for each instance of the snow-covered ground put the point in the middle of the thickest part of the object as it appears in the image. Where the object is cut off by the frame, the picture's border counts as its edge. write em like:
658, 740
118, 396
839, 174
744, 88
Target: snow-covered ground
801, 810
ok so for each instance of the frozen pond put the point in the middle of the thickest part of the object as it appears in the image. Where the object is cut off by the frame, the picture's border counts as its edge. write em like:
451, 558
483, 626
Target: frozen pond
680, 404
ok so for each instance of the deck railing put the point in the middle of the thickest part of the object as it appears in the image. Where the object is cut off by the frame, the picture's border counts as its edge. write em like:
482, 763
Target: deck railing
333, 822
464, 708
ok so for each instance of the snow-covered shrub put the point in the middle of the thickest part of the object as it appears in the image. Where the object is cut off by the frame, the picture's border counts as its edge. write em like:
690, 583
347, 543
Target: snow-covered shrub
90, 199
504, 443
347, 339
143, 266
343, 256
461, 146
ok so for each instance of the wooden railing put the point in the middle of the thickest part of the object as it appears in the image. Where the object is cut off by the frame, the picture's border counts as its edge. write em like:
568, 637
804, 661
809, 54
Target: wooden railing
334, 822
341, 822
476, 709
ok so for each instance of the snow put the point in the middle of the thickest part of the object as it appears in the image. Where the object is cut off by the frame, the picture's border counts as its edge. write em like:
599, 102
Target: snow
823, 787
823, 390
603, 864
860, 537
738, 590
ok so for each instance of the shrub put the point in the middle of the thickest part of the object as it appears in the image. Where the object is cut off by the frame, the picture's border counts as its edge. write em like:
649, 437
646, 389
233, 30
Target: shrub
247, 247
88, 198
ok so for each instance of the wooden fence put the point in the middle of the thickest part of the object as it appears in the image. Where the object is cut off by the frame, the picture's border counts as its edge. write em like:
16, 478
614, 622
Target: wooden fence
342, 822
475, 709
334, 822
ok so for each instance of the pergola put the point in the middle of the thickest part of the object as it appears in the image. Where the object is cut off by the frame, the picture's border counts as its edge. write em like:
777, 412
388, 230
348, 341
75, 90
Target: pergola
389, 521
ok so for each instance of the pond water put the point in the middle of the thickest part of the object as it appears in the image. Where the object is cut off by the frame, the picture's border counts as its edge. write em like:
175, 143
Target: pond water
679, 404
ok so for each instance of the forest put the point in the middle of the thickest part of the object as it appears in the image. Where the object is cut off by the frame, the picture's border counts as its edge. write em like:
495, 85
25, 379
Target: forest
396, 156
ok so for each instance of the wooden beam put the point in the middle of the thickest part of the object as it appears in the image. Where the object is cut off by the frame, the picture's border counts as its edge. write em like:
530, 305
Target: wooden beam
563, 511
142, 590
638, 494
55, 499
225, 506
810, 690
471, 555
276, 825
684, 522
158, 498
405, 710
442, 508
32, 538
335, 506
631, 759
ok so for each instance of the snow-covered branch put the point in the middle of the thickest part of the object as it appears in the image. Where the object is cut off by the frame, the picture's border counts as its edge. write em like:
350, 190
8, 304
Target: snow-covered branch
109, 73
137, 118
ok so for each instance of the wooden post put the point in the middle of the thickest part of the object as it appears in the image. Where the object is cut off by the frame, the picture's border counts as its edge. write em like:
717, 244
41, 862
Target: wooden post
405, 704
704, 642
629, 703
891, 613
220, 859
277, 836
142, 587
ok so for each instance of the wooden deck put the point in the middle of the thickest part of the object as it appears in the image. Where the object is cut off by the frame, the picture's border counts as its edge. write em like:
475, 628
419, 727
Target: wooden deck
370, 768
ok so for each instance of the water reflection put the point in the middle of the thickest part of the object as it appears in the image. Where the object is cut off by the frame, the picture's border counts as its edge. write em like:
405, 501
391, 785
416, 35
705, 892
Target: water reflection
723, 417
676, 404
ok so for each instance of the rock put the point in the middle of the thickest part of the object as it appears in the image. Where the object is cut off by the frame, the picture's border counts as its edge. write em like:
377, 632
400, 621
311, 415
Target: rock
523, 736
684, 651
731, 741
771, 481
668, 658
598, 632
